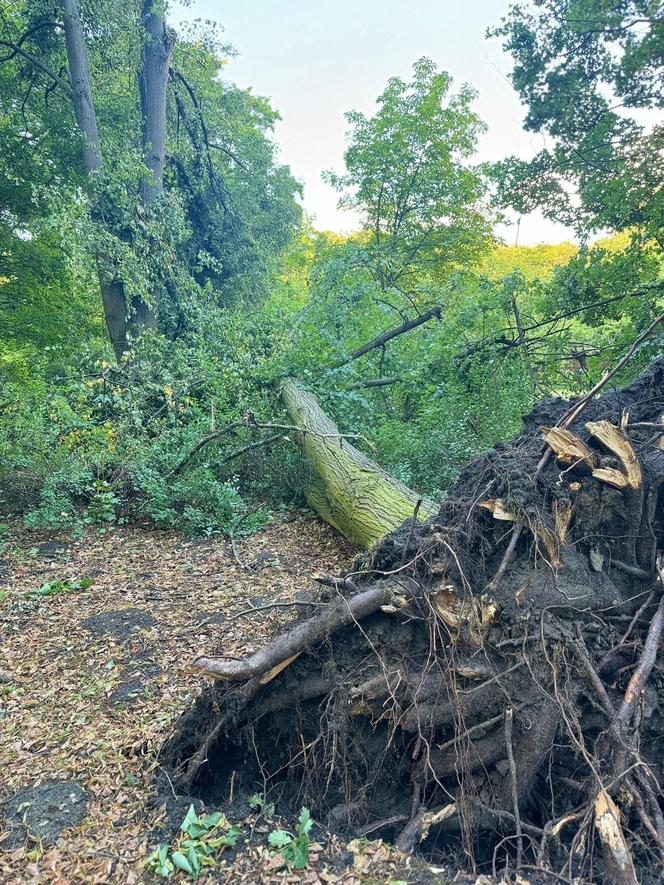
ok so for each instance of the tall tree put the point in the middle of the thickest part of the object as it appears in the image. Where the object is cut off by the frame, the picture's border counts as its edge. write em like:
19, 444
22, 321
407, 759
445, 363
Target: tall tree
112, 288
153, 86
187, 206
153, 83
408, 174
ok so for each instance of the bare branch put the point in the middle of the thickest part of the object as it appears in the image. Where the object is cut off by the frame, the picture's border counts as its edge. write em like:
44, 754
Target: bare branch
16, 49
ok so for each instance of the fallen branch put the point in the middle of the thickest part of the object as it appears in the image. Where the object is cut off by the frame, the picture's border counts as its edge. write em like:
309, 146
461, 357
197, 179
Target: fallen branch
210, 437
509, 343
250, 422
617, 856
571, 416
338, 614
376, 382
260, 444
382, 339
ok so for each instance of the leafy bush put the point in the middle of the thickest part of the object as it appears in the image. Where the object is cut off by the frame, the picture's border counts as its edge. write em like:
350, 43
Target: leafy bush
101, 443
198, 503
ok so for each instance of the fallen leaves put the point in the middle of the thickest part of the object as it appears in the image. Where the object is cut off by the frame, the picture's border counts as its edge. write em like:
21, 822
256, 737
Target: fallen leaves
59, 677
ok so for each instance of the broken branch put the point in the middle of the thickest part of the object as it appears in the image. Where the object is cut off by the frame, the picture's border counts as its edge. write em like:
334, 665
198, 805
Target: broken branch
338, 614
382, 339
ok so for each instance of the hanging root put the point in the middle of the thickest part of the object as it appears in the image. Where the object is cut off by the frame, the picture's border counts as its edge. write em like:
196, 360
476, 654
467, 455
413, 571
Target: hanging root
486, 681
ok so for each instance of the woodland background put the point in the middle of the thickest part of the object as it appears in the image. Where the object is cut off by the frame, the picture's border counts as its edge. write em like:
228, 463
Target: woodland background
226, 288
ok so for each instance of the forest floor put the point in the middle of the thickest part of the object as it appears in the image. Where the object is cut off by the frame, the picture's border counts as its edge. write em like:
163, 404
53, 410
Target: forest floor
93, 679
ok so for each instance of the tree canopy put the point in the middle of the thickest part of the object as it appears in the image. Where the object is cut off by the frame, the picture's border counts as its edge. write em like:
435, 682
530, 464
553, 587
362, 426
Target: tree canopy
588, 72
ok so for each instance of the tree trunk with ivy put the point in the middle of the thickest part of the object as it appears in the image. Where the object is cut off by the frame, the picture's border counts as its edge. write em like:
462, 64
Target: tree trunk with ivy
484, 681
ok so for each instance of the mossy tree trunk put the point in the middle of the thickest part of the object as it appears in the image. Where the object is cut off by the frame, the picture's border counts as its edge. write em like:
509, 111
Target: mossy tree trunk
344, 486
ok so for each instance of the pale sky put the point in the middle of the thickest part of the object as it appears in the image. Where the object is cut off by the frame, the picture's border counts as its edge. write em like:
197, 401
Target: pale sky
316, 60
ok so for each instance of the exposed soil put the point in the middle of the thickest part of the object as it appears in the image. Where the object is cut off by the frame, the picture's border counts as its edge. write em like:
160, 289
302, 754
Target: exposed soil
44, 812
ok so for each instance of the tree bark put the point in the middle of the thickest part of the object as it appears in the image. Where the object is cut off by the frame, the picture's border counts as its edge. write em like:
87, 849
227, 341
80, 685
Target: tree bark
79, 74
153, 82
153, 79
115, 310
345, 488
382, 339
112, 291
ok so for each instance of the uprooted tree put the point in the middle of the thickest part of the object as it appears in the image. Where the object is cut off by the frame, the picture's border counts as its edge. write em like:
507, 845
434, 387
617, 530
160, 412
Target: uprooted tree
490, 670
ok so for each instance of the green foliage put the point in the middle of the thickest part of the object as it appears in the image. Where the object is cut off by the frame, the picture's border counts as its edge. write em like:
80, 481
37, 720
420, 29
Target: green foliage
583, 67
294, 847
533, 262
245, 293
211, 507
258, 802
465, 382
408, 174
102, 445
103, 502
198, 846
214, 237
55, 588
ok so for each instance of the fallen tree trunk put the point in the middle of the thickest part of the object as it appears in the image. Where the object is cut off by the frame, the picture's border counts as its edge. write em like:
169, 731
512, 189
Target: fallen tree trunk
344, 486
486, 681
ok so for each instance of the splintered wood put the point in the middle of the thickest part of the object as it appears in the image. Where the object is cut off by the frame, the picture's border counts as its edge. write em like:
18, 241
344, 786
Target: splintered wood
568, 448
571, 450
617, 856
562, 515
614, 439
544, 535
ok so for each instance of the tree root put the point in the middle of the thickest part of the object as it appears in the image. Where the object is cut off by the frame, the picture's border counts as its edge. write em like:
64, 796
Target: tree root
287, 646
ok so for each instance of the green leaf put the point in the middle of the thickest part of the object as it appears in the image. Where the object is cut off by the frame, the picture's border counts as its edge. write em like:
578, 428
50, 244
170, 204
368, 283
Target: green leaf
305, 822
191, 823
181, 862
279, 838
195, 862
300, 852
213, 820
159, 862
207, 861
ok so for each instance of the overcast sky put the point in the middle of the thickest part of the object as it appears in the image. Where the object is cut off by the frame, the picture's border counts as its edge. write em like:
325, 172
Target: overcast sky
316, 59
